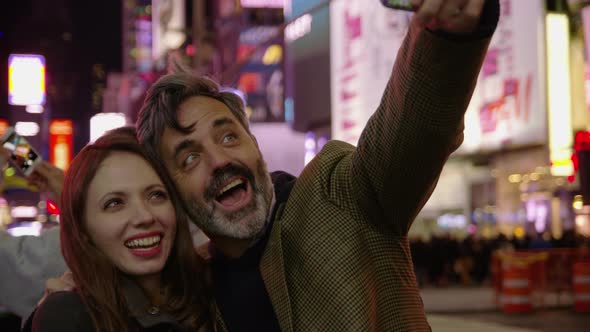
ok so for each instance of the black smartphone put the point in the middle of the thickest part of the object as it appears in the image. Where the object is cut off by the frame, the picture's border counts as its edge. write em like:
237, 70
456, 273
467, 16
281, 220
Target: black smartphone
398, 4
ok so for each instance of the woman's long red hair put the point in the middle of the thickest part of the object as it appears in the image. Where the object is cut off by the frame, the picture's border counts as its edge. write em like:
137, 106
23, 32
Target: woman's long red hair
98, 281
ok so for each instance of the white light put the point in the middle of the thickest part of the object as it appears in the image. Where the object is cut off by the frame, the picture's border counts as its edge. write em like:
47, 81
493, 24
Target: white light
298, 28
262, 3
559, 94
26, 229
103, 122
24, 212
35, 109
26, 128
452, 221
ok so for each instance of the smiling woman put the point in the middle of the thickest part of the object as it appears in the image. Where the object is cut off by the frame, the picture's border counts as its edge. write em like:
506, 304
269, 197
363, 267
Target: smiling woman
127, 243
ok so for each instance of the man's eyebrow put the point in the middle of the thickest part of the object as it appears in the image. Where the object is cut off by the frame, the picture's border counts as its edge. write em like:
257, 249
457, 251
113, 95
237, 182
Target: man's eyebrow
222, 122
184, 144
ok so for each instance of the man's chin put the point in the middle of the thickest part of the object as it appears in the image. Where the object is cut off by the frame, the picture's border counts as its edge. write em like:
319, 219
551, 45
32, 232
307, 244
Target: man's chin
240, 229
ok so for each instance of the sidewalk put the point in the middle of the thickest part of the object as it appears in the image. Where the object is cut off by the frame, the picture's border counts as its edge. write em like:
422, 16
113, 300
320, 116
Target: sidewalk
480, 299
440, 323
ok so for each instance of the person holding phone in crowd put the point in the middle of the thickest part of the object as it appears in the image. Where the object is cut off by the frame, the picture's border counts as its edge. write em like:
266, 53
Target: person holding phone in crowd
29, 261
127, 244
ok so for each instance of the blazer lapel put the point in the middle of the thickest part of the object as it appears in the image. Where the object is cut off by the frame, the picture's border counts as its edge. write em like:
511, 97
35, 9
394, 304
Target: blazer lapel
273, 274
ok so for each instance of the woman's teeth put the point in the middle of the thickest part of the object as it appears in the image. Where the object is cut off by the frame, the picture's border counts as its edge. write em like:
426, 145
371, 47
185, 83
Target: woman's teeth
143, 243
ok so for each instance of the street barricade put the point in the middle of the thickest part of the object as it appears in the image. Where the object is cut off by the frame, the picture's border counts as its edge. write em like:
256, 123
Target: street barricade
521, 279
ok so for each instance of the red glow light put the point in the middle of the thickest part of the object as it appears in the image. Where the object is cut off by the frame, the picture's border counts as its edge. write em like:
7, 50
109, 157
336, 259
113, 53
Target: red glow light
52, 207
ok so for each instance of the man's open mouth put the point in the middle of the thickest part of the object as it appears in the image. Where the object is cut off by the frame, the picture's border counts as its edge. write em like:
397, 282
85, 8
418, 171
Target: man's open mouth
233, 193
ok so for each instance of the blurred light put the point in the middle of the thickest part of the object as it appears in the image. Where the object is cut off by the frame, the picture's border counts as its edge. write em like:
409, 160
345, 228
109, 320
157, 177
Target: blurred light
26, 128
578, 203
321, 142
23, 212
190, 50
262, 3
310, 142
273, 55
26, 79
514, 178
452, 221
535, 176
26, 228
3, 126
61, 142
52, 207
103, 122
559, 94
9, 172
289, 111
581, 220
41, 205
298, 28
54, 218
310, 147
35, 109
42, 218
519, 232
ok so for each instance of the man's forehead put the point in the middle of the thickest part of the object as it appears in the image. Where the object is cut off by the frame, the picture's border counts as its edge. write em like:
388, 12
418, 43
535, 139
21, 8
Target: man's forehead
197, 108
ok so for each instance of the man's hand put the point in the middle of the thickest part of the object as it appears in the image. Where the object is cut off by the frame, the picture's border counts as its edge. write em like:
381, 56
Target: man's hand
48, 178
63, 283
454, 16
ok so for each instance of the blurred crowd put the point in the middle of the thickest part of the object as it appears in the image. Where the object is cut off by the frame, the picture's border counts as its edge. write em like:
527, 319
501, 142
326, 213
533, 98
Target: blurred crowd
445, 261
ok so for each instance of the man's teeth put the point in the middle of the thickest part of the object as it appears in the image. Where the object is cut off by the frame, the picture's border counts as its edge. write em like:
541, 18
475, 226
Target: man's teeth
230, 185
145, 242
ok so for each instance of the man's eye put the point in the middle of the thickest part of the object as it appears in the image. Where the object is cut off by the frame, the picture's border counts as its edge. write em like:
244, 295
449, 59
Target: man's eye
229, 138
190, 159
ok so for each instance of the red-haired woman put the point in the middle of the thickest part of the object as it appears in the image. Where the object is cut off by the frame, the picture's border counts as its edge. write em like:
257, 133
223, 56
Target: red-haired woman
127, 243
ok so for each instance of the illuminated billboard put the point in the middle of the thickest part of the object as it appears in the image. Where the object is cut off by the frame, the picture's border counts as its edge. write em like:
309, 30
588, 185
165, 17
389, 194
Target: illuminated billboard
508, 108
26, 79
364, 40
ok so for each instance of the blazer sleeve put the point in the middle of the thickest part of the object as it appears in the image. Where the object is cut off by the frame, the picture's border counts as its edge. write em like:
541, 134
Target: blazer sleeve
27, 262
62, 311
417, 125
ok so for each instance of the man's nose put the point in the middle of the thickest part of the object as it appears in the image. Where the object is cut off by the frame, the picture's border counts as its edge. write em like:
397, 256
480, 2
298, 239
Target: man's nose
218, 158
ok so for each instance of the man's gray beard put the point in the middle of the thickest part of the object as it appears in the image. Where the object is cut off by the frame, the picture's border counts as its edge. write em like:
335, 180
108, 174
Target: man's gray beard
246, 223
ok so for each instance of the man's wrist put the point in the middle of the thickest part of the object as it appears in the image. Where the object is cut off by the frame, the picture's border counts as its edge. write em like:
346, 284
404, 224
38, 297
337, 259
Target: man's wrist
488, 22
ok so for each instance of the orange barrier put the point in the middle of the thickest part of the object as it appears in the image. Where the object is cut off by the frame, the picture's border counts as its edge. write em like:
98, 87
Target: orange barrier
581, 281
516, 288
550, 271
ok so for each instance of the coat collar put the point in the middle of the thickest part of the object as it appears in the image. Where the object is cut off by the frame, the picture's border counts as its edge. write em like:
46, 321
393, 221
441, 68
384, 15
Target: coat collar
140, 308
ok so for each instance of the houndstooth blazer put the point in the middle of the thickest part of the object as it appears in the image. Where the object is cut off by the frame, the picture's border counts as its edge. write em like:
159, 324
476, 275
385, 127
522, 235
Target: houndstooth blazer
338, 257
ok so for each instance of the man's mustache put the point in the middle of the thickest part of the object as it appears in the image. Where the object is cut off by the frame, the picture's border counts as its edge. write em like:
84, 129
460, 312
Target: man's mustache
221, 176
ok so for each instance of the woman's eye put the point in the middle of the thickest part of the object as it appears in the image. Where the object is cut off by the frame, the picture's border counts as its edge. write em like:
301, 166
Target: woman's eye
112, 203
159, 195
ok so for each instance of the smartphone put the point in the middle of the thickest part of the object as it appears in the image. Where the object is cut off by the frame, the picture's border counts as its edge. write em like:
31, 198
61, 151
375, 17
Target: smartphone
398, 4
23, 156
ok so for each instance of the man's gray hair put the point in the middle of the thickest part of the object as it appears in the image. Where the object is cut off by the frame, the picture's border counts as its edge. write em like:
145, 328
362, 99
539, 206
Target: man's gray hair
164, 98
